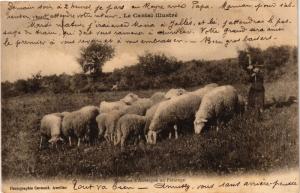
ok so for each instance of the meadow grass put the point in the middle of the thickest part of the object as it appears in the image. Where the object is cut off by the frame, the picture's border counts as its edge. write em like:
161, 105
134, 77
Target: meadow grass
245, 144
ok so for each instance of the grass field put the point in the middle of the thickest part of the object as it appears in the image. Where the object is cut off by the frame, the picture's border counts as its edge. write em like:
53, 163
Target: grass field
245, 144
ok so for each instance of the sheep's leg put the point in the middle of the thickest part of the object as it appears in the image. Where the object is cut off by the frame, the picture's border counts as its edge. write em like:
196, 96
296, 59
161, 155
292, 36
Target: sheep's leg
111, 137
218, 125
176, 132
123, 139
136, 141
146, 137
78, 143
106, 138
154, 137
41, 142
122, 142
70, 141
170, 135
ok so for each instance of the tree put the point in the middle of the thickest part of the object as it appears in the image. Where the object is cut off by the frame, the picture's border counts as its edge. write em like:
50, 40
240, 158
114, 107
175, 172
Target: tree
93, 57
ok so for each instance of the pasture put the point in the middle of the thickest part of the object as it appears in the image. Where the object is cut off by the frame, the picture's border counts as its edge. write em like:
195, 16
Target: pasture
244, 145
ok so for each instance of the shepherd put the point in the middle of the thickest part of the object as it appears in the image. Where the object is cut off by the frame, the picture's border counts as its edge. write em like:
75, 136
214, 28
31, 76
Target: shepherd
256, 95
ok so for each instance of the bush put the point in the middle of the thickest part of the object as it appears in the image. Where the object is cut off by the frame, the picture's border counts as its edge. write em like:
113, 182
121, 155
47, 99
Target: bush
156, 70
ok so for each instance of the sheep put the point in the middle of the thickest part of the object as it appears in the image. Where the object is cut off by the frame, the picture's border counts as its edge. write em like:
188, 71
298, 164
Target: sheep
158, 97
81, 124
129, 125
149, 116
174, 93
51, 128
139, 107
100, 119
106, 107
176, 111
162, 97
111, 120
217, 105
130, 98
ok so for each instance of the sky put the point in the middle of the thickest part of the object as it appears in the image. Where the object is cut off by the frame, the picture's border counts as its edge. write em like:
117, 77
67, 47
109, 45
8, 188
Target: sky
23, 62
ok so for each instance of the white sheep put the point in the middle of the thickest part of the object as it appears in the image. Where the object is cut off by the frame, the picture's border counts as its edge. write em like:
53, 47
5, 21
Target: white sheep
158, 97
139, 107
130, 98
100, 119
129, 125
174, 93
217, 105
106, 107
51, 128
81, 124
111, 120
149, 116
177, 111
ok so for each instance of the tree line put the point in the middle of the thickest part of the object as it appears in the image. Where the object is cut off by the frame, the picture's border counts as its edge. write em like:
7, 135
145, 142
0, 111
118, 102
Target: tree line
154, 71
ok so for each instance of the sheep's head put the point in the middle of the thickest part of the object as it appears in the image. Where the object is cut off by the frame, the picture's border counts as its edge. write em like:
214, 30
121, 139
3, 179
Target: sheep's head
54, 140
130, 98
152, 135
199, 125
174, 93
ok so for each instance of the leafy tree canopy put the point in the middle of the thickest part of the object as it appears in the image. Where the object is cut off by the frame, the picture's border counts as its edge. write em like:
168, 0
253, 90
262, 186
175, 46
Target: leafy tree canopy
93, 57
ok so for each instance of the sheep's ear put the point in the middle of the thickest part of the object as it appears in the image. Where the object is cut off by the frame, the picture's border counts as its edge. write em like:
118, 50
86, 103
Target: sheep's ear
204, 120
51, 140
61, 139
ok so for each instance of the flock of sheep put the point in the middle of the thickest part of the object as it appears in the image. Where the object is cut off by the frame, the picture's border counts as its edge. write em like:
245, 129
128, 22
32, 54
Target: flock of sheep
144, 118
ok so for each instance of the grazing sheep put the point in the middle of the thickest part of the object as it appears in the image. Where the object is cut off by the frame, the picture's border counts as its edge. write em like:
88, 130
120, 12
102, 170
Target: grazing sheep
129, 125
177, 111
139, 107
100, 119
81, 124
130, 98
51, 128
149, 116
111, 120
174, 93
106, 107
158, 97
217, 105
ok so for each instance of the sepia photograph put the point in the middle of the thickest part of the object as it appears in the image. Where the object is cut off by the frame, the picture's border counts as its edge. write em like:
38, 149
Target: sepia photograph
159, 96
